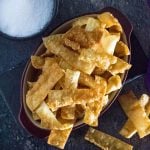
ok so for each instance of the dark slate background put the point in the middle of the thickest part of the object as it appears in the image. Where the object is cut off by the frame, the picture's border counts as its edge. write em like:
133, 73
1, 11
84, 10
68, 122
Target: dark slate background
14, 54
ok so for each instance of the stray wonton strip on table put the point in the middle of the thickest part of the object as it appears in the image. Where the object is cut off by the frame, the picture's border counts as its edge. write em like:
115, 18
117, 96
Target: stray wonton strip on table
136, 113
129, 129
105, 141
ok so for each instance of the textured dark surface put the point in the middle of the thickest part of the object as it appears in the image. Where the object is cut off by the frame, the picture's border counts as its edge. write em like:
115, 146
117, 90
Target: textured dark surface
13, 55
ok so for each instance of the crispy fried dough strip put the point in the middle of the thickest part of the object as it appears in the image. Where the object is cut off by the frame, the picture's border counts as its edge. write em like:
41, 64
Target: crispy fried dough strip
45, 82
92, 112
110, 21
129, 129
93, 109
135, 113
84, 79
49, 120
61, 98
71, 79
59, 138
121, 49
37, 62
109, 41
69, 56
114, 83
100, 59
71, 82
105, 141
119, 67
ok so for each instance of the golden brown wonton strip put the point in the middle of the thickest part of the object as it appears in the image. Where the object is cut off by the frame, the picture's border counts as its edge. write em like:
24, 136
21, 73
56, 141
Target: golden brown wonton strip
135, 113
114, 83
100, 59
45, 82
110, 21
59, 138
49, 119
61, 98
37, 62
129, 129
71, 79
69, 56
109, 41
92, 112
93, 109
105, 141
121, 49
119, 67
71, 82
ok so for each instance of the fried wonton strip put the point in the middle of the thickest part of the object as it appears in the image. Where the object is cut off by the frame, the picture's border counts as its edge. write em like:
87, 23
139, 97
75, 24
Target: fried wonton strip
69, 56
92, 112
71, 82
91, 83
105, 141
93, 109
110, 21
85, 39
64, 65
121, 49
83, 96
119, 67
109, 41
100, 59
114, 83
49, 61
135, 113
71, 79
49, 120
59, 138
101, 84
87, 80
45, 82
37, 62
129, 129
84, 79
61, 98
